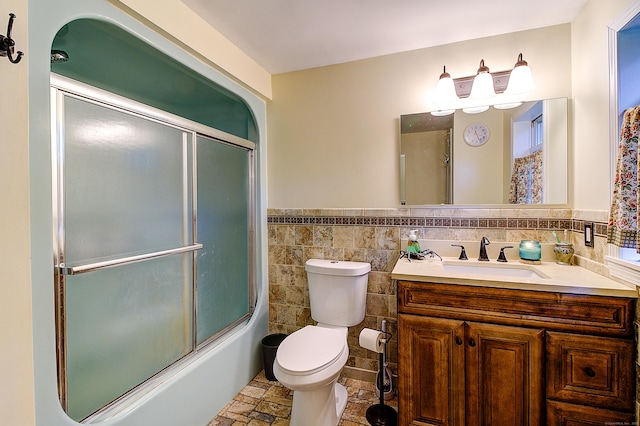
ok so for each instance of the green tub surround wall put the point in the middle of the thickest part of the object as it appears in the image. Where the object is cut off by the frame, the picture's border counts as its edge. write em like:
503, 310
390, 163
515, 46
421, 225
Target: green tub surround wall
374, 235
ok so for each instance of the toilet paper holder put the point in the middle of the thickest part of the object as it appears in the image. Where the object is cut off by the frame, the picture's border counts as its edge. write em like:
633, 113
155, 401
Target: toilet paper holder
373, 340
376, 341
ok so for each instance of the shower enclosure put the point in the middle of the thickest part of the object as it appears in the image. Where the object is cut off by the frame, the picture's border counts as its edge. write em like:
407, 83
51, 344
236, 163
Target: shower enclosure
153, 249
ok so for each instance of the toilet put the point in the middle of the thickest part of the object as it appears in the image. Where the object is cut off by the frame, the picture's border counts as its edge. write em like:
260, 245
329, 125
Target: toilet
309, 361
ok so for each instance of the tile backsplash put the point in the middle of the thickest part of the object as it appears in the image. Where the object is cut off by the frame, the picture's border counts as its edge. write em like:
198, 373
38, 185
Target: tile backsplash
374, 235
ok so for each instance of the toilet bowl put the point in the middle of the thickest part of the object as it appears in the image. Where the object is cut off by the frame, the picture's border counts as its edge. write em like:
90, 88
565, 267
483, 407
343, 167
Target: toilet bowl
309, 361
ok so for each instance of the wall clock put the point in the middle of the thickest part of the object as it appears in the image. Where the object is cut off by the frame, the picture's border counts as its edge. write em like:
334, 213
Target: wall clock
476, 134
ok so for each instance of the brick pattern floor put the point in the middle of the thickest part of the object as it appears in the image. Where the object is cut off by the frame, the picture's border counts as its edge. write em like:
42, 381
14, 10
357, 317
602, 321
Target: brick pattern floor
264, 402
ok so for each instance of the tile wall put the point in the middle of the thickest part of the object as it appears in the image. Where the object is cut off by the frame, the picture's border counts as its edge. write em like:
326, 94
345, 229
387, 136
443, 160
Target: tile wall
374, 236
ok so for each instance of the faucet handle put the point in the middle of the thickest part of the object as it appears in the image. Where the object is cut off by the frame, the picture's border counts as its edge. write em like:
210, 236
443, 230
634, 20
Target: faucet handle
463, 253
502, 257
484, 242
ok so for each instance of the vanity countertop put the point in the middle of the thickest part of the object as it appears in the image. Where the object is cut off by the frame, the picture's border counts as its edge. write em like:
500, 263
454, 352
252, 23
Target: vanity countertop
558, 278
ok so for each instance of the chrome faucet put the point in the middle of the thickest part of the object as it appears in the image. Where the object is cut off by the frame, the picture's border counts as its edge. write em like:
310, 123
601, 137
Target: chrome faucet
484, 242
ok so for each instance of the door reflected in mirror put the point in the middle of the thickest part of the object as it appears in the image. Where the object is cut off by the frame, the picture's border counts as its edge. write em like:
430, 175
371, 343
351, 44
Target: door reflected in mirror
515, 156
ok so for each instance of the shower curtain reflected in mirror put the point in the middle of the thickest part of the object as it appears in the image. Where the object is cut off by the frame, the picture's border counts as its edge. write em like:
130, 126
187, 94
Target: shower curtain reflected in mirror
526, 179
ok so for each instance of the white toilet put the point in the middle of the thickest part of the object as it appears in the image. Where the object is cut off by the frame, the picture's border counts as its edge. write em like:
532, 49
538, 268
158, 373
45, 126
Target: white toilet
309, 361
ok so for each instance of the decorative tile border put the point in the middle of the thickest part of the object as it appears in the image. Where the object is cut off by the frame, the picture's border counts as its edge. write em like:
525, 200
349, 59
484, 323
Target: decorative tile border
441, 222
599, 228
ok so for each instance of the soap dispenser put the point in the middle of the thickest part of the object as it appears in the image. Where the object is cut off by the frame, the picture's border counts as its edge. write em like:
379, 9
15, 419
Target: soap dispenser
413, 247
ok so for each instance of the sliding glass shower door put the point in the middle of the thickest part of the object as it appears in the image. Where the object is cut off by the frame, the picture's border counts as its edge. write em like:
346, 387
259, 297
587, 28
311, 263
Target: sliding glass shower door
224, 180
152, 233
125, 181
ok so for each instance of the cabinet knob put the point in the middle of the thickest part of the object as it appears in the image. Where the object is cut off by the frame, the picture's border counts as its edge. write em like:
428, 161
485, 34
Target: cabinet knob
590, 372
472, 343
458, 341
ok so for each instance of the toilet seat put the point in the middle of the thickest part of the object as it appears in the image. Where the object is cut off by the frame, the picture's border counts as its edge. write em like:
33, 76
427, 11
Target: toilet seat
310, 349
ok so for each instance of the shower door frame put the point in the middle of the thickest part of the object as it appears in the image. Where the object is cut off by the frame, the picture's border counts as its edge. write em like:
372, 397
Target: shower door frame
62, 87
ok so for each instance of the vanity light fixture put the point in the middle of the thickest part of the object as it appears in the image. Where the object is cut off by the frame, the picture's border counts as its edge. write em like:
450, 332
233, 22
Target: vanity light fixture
520, 79
482, 87
446, 90
445, 94
474, 94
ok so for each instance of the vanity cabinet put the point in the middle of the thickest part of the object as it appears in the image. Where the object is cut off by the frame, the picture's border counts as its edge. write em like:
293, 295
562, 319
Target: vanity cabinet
472, 355
446, 365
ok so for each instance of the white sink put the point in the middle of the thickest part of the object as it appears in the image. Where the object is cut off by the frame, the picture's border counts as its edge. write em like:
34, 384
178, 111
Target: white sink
494, 269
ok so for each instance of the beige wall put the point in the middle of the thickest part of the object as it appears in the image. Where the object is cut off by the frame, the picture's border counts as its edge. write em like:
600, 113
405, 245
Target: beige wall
16, 336
333, 132
478, 172
590, 81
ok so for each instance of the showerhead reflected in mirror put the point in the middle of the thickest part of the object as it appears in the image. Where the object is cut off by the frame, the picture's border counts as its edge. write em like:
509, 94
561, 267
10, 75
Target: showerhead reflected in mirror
521, 160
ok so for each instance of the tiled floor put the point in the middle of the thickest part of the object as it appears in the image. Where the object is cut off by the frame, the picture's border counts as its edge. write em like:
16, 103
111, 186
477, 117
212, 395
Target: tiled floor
263, 402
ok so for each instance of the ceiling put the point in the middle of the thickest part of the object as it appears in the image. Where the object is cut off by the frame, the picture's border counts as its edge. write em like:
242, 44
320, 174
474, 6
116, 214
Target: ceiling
290, 35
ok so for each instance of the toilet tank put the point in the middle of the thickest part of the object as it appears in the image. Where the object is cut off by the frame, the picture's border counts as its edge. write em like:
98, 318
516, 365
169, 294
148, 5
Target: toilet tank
337, 291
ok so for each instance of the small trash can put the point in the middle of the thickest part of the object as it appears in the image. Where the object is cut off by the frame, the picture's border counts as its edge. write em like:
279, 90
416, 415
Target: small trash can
270, 345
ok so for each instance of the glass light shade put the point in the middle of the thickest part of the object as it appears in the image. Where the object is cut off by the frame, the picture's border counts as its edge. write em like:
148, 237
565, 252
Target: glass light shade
475, 109
520, 81
482, 87
442, 112
445, 91
507, 105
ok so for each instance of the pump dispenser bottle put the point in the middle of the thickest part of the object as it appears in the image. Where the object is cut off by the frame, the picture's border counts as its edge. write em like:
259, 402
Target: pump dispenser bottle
413, 247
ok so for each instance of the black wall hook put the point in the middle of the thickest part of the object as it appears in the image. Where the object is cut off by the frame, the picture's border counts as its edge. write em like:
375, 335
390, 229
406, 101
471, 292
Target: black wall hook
7, 43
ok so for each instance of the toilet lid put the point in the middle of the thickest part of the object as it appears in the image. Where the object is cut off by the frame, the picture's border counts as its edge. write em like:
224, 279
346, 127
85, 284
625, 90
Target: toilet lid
310, 349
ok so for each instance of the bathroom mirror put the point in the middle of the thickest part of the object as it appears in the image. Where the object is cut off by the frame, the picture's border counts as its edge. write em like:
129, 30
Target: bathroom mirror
512, 156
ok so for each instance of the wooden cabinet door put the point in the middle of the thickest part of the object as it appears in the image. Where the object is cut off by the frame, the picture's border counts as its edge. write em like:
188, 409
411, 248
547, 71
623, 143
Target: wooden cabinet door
591, 370
563, 414
431, 366
504, 374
